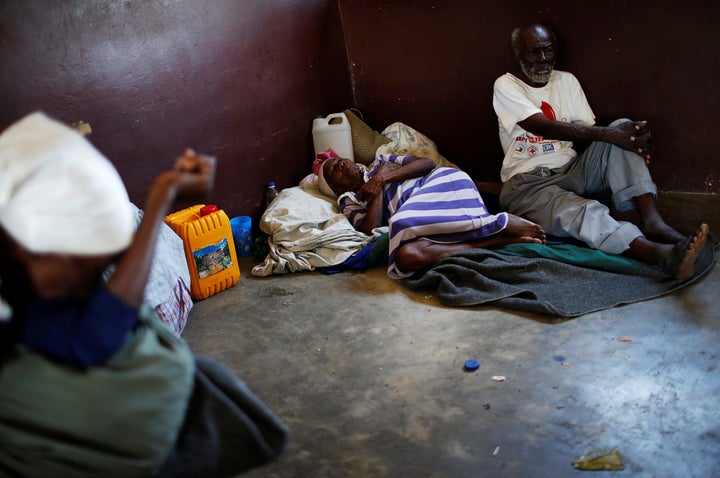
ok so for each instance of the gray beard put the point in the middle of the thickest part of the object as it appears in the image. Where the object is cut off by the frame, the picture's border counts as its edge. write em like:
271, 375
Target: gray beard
532, 72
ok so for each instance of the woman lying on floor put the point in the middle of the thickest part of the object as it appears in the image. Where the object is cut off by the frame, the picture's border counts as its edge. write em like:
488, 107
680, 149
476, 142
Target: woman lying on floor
430, 212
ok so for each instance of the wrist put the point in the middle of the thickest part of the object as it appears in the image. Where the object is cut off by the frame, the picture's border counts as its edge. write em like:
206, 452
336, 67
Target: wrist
163, 192
166, 184
602, 133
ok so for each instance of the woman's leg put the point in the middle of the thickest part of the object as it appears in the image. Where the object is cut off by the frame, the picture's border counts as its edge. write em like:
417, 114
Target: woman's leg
423, 253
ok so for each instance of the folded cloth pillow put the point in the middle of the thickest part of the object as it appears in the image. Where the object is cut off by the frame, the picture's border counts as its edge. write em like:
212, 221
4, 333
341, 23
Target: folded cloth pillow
365, 140
309, 182
405, 140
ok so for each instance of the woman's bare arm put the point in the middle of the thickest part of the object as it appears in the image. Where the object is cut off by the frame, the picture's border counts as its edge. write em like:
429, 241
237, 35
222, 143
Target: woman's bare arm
391, 172
191, 175
372, 191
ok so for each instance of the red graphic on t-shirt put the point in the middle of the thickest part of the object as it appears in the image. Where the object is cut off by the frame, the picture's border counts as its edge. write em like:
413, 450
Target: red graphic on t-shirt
548, 111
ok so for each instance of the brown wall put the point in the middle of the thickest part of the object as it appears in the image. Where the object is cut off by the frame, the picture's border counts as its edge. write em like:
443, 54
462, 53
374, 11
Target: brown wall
432, 65
242, 79
238, 79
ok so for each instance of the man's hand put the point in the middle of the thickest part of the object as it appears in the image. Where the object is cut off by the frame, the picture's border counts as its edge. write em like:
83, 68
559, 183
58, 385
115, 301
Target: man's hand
633, 136
630, 135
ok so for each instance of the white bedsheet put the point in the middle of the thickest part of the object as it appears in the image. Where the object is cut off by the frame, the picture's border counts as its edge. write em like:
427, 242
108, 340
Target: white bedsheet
306, 231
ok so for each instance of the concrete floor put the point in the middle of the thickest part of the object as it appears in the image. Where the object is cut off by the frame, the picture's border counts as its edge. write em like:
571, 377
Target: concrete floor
369, 376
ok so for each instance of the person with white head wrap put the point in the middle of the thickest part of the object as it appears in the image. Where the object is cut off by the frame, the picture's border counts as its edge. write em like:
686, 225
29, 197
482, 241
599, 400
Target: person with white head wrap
322, 182
85, 362
65, 216
58, 194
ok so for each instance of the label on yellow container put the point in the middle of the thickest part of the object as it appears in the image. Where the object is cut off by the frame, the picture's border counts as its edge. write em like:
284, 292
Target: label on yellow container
212, 259
209, 250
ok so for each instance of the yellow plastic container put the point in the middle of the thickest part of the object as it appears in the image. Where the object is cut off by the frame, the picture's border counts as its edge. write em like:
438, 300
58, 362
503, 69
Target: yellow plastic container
209, 250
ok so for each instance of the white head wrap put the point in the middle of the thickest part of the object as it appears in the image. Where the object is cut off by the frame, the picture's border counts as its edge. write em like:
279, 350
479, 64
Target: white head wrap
58, 194
322, 182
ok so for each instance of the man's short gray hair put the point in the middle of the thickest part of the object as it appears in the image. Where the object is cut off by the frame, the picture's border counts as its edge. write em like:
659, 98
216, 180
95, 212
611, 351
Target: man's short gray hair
515, 40
515, 37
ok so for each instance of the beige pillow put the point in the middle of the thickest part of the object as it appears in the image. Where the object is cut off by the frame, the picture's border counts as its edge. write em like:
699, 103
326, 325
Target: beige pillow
365, 140
405, 140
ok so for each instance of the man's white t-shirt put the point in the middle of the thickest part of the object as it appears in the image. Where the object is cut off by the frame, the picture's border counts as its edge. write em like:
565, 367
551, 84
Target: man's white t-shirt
561, 99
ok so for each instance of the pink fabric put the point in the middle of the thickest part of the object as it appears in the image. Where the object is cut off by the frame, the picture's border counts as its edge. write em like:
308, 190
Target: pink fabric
321, 157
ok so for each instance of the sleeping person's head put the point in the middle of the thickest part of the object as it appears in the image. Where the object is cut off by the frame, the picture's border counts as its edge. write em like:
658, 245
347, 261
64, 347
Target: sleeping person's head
64, 212
339, 175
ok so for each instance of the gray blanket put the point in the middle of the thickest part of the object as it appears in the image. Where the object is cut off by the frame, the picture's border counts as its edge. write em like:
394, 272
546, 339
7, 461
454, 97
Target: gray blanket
228, 430
575, 281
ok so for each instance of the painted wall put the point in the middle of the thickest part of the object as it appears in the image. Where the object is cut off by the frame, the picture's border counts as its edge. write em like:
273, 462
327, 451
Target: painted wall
432, 65
242, 79
238, 79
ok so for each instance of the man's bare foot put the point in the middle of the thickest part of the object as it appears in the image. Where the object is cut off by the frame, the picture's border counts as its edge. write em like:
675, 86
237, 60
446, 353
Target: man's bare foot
653, 224
680, 262
522, 228
662, 233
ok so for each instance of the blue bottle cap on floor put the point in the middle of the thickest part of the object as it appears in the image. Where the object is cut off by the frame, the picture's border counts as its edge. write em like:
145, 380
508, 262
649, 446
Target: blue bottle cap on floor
472, 364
